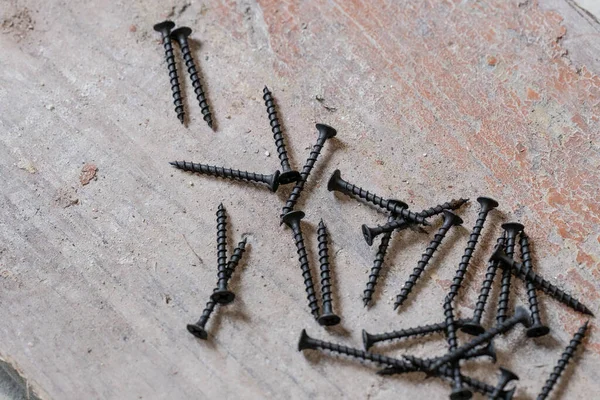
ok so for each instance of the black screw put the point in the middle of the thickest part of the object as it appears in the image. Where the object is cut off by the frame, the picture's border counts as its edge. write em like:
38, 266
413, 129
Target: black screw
271, 180
450, 219
165, 30
370, 233
506, 376
336, 183
537, 328
458, 391
328, 318
222, 295
540, 283
325, 132
564, 360
181, 36
198, 329
512, 230
292, 220
474, 327
521, 316
487, 205
370, 339
287, 174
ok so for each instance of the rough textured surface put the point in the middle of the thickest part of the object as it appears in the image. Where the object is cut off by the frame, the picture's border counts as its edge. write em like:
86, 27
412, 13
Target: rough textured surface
432, 101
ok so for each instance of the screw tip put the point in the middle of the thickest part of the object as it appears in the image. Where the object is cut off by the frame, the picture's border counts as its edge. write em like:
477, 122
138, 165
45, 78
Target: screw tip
181, 118
366, 302
266, 89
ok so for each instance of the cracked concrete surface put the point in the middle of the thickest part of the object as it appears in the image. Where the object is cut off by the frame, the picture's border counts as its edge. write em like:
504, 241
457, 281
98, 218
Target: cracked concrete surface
432, 101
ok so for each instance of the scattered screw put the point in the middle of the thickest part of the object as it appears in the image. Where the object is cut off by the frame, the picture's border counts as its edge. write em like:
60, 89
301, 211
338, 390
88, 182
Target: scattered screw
506, 376
564, 360
181, 36
474, 327
325, 132
458, 391
165, 30
537, 328
336, 183
222, 295
292, 220
370, 339
328, 318
512, 230
450, 219
271, 180
521, 316
540, 283
287, 174
487, 205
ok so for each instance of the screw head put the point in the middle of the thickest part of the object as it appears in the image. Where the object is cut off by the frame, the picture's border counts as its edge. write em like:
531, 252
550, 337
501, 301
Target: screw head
508, 375
368, 234
461, 394
274, 184
452, 218
293, 218
289, 177
326, 130
197, 331
491, 351
513, 226
487, 201
328, 319
472, 328
181, 33
223, 296
164, 26
332, 184
537, 330
303, 342
367, 340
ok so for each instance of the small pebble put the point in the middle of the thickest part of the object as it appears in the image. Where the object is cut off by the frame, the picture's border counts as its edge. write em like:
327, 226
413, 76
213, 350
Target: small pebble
50, 107
267, 154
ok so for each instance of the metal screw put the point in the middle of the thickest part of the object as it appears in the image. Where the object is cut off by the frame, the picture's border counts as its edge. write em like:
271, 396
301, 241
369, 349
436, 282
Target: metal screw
506, 376
181, 36
521, 316
564, 360
512, 230
458, 391
292, 220
287, 174
537, 328
165, 30
474, 327
336, 183
270, 180
487, 205
450, 219
540, 283
370, 339
222, 295
370, 233
325, 132
328, 318
198, 329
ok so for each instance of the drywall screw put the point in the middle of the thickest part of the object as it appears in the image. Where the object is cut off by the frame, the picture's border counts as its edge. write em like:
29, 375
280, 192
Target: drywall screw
165, 30
270, 180
370, 339
292, 220
222, 295
458, 391
450, 219
370, 233
537, 328
287, 174
564, 360
512, 230
473, 327
181, 36
327, 318
506, 376
336, 183
446, 371
385, 239
521, 316
325, 132
198, 329
486, 205
540, 283
484, 351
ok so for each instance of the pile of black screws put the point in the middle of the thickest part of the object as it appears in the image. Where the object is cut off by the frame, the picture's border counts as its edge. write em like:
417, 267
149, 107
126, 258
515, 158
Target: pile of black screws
446, 366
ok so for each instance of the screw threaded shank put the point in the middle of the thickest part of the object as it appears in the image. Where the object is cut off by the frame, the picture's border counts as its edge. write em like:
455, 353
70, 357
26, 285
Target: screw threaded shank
538, 329
512, 229
370, 339
328, 318
191, 67
222, 247
165, 29
276, 129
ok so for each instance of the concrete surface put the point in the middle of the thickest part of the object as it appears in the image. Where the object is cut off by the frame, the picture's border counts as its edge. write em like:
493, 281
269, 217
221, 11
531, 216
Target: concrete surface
432, 101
